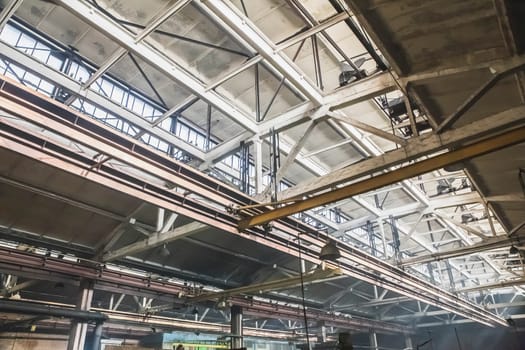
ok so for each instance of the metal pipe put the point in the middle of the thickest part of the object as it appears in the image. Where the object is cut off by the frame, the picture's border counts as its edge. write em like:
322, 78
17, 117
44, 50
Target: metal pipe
317, 63
42, 267
27, 308
257, 95
97, 336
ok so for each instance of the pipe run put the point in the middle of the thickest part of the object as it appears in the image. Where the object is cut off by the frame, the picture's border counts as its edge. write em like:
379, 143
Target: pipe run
28, 308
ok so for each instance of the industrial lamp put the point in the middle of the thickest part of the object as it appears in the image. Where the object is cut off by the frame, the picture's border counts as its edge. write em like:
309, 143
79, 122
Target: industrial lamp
164, 251
513, 250
330, 251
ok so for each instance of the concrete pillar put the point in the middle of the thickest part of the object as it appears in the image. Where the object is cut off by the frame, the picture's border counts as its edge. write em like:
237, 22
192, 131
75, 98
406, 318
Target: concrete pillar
236, 327
77, 334
373, 341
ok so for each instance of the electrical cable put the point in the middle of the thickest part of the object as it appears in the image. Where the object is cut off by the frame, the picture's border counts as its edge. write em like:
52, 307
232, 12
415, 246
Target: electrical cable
457, 338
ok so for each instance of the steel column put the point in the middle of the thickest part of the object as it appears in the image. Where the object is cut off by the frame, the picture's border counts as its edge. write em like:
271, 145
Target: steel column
408, 342
259, 185
77, 335
373, 341
236, 327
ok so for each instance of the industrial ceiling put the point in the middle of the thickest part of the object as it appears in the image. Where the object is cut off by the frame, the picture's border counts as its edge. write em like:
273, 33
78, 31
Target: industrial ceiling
142, 137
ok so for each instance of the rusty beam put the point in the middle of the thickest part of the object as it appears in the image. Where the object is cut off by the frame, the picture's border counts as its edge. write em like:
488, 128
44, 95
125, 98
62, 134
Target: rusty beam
270, 286
25, 263
479, 148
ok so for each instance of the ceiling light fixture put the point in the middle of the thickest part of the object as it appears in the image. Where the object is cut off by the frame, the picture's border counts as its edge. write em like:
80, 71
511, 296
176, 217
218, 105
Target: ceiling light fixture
330, 251
164, 251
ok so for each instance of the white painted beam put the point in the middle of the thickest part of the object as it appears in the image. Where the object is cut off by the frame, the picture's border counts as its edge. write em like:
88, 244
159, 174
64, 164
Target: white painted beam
94, 17
154, 240
8, 11
97, 99
249, 32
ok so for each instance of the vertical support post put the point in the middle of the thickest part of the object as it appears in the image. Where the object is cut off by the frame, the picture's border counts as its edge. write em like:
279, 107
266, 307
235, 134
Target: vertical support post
383, 238
257, 96
371, 238
489, 217
323, 334
411, 117
450, 276
173, 130
160, 219
259, 186
77, 334
274, 162
317, 62
408, 342
236, 326
244, 168
395, 238
373, 341
431, 273
97, 336
208, 128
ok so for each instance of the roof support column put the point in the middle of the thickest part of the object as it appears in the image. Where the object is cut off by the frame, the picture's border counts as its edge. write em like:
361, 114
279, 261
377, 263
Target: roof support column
408, 342
259, 186
236, 327
373, 341
77, 334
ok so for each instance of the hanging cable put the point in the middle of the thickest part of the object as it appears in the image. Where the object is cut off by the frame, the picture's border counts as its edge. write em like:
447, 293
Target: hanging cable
302, 293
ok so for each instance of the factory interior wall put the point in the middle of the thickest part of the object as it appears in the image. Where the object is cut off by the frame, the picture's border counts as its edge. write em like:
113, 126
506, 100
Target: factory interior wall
24, 342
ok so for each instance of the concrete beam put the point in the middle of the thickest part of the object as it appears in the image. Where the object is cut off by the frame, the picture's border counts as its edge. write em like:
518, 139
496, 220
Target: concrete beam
416, 147
249, 32
489, 243
368, 128
62, 80
154, 240
94, 17
348, 95
8, 11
